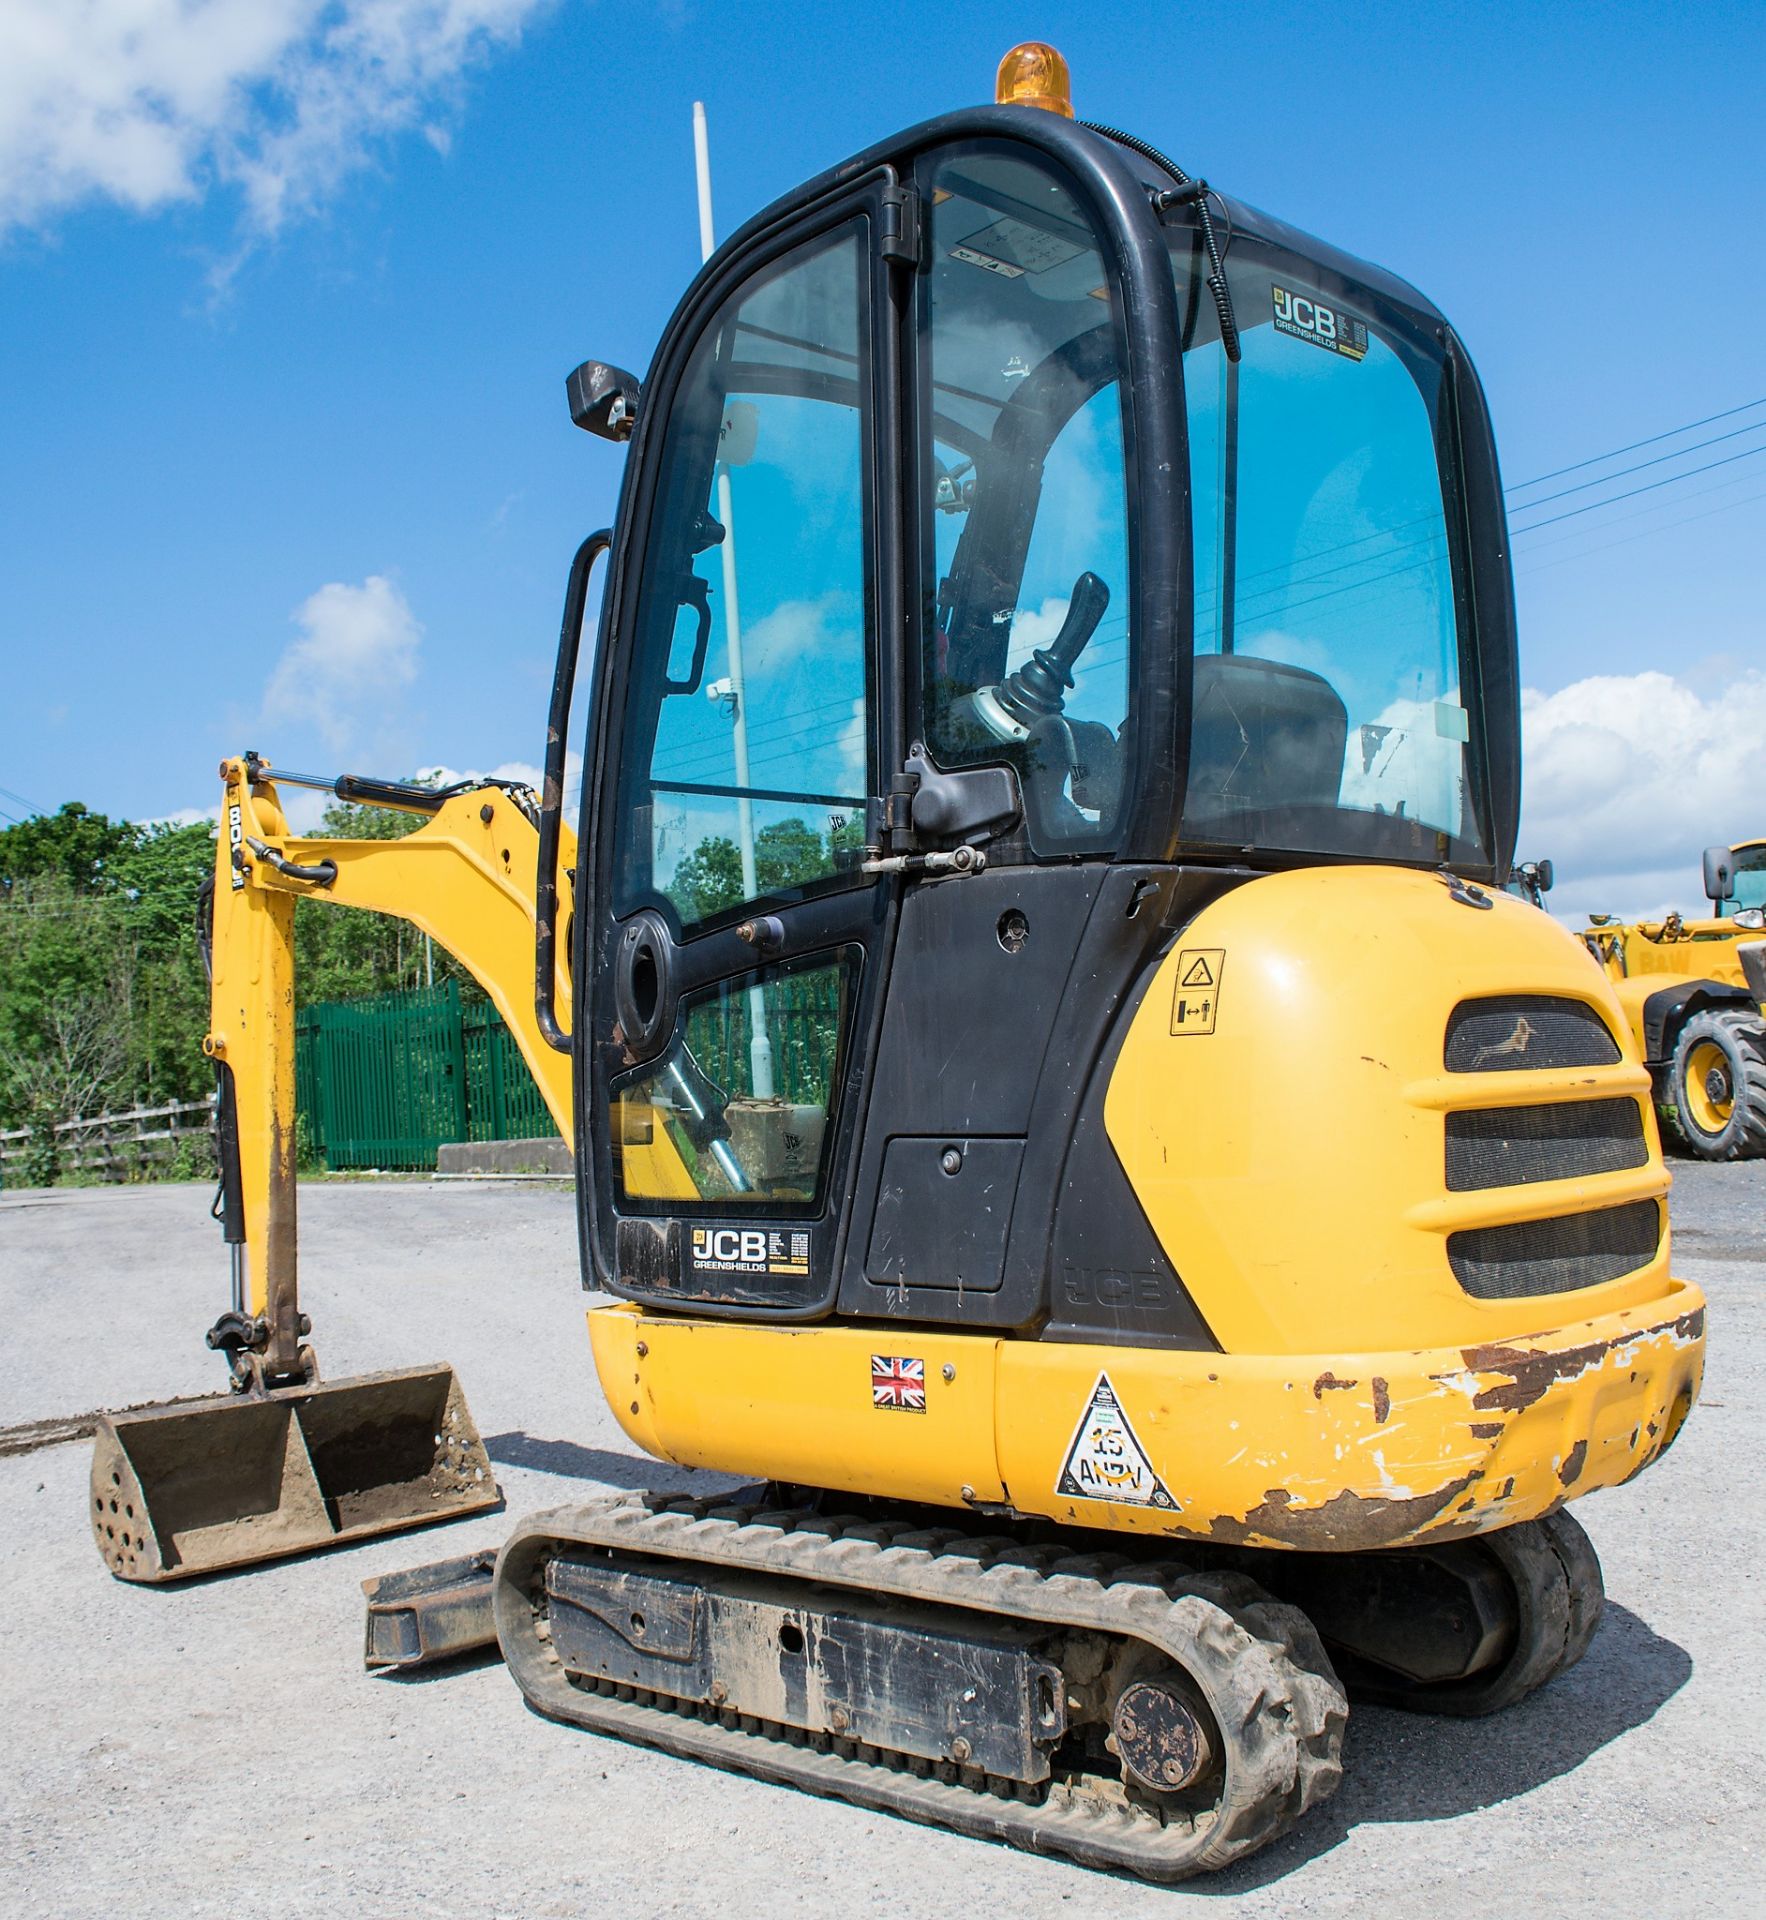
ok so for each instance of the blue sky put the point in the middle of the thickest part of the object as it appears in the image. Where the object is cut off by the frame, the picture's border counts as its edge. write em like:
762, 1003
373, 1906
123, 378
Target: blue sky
250, 368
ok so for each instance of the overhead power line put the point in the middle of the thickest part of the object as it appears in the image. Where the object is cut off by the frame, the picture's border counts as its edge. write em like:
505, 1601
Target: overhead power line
1661, 459
1704, 513
30, 806
1650, 440
1630, 493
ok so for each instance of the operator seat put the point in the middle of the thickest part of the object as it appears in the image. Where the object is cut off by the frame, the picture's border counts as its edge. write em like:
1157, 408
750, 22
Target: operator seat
1263, 735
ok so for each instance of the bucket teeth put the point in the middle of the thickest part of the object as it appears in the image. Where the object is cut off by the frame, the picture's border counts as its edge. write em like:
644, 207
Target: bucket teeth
230, 1481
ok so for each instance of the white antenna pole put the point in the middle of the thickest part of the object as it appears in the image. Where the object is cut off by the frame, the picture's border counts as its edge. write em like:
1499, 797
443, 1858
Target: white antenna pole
760, 1044
702, 174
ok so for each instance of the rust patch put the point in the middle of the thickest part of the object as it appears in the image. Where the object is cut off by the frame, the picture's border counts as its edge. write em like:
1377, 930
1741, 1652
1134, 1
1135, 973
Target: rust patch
1532, 1374
1348, 1522
1327, 1382
1508, 1487
1574, 1461
1382, 1401
1487, 1429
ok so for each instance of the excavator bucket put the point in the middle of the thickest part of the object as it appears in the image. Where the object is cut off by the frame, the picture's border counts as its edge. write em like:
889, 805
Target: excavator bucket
230, 1481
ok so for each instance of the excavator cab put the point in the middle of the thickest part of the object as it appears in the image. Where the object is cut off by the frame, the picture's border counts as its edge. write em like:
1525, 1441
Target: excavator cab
993, 559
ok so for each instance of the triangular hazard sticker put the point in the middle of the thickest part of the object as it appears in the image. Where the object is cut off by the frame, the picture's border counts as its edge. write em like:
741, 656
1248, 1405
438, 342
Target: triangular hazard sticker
1106, 1461
1200, 973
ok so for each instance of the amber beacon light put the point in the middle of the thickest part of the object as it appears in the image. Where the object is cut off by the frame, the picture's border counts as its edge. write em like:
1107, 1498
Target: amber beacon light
1035, 75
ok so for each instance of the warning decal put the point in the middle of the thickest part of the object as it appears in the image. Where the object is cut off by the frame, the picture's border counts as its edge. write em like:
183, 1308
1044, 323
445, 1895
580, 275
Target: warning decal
1196, 999
1013, 248
1106, 1461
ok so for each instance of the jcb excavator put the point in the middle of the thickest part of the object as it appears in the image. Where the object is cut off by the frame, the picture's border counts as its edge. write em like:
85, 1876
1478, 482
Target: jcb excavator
1694, 993
1060, 1098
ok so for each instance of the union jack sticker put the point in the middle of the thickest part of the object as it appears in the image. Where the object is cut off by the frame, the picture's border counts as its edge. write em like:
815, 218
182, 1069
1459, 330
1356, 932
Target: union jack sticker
897, 1383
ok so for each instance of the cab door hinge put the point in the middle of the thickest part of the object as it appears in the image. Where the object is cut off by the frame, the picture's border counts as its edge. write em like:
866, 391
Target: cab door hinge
899, 238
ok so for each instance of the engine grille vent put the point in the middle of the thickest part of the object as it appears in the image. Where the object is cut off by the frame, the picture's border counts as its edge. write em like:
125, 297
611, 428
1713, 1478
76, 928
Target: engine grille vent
1555, 1256
1515, 1146
1527, 1032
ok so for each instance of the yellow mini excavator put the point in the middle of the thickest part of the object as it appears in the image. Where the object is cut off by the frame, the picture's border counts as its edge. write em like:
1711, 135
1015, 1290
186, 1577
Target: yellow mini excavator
1061, 1101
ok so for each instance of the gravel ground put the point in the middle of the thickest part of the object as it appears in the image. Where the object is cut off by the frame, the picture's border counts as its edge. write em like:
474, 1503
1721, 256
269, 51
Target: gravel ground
216, 1748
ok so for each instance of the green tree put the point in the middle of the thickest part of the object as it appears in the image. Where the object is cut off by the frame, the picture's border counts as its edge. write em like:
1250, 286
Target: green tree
75, 845
708, 879
102, 998
788, 853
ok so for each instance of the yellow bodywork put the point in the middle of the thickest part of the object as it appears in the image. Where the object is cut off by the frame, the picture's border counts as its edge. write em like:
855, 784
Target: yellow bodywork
465, 879
1287, 1142
1338, 1450
1291, 1161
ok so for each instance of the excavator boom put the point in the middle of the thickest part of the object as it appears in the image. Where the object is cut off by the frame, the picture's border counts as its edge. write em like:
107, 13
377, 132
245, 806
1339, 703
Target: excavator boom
286, 1462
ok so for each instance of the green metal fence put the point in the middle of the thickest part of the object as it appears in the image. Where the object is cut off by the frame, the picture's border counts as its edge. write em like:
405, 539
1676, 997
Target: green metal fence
502, 1101
803, 1016
385, 1080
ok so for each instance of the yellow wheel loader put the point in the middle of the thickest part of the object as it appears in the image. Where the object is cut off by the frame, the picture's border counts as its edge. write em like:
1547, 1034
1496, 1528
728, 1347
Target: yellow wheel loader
1060, 1099
1694, 995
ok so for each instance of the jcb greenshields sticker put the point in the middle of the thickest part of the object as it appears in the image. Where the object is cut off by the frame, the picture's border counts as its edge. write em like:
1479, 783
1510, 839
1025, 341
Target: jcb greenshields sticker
1106, 1461
1302, 317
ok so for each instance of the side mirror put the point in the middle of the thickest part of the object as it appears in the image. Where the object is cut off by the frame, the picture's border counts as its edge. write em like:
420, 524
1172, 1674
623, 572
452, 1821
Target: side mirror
1543, 876
604, 400
1719, 875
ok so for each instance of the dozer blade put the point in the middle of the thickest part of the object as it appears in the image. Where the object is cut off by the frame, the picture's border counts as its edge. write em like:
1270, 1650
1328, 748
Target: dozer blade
206, 1484
428, 1614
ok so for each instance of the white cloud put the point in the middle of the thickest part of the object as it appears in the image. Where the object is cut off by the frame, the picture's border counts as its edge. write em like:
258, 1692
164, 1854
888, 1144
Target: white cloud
1627, 778
148, 103
183, 817
853, 748
357, 651
1034, 627
523, 770
800, 630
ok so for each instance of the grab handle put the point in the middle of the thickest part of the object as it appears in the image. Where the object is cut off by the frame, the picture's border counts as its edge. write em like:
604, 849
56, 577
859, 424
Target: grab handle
545, 917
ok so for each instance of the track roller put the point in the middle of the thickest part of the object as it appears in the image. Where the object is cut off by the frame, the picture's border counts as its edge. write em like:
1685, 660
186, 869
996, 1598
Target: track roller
1142, 1717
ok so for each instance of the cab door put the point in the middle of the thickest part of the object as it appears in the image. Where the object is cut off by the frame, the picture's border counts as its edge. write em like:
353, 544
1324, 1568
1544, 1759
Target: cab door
734, 948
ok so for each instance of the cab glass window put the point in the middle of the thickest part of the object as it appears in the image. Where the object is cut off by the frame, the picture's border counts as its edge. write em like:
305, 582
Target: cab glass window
1329, 705
1026, 653
1749, 867
709, 1122
747, 726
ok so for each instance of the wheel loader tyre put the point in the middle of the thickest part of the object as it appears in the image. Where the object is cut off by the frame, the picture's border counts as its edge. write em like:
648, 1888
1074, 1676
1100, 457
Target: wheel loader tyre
1717, 1086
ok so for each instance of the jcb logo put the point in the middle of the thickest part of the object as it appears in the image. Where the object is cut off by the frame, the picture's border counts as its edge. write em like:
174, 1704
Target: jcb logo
1302, 318
732, 1246
1308, 316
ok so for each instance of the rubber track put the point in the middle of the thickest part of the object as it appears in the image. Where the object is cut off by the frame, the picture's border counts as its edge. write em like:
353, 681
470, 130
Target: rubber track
1559, 1599
1260, 1664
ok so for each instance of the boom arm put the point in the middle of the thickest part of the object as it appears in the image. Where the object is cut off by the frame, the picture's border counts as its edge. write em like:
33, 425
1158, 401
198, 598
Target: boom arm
467, 878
